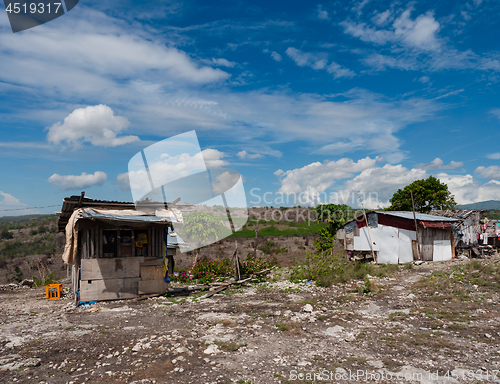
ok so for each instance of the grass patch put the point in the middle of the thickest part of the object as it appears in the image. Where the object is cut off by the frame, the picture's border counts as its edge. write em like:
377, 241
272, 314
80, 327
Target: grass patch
327, 269
228, 347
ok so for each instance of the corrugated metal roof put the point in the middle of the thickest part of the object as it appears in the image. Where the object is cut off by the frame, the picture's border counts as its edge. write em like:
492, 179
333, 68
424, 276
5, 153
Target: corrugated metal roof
90, 213
419, 216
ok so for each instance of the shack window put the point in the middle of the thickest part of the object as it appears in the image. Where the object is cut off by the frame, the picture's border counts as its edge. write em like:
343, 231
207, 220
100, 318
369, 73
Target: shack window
126, 243
141, 243
109, 243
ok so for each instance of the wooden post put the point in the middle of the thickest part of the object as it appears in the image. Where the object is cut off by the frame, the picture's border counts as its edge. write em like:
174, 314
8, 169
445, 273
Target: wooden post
256, 233
368, 229
416, 226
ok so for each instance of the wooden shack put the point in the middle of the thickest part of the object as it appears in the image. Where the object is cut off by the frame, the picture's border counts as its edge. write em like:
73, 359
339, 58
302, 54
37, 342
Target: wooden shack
399, 237
115, 251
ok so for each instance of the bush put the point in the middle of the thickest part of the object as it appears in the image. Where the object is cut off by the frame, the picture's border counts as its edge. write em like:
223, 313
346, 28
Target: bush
5, 234
253, 265
209, 271
181, 277
33, 232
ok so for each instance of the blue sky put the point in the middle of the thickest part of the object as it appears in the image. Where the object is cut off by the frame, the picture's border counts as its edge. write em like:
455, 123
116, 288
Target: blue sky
318, 100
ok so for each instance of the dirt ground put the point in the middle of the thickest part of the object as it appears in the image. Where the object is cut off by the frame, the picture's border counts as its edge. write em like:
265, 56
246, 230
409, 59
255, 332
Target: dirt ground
411, 328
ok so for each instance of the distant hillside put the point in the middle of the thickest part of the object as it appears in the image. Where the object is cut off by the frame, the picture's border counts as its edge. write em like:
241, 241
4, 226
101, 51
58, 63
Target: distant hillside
490, 204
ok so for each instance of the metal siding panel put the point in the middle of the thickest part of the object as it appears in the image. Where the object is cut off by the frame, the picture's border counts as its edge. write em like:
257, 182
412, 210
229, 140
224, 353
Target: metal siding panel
388, 238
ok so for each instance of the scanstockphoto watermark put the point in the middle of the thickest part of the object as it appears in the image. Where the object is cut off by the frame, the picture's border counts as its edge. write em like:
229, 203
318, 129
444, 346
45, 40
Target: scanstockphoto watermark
358, 375
362, 375
310, 197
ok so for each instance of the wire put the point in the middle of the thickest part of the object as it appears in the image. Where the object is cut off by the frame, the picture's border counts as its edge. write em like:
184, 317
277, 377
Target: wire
24, 209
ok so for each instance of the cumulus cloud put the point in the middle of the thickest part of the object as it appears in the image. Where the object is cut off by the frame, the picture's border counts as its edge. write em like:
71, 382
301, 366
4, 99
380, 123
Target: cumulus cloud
8, 199
96, 125
377, 184
213, 158
78, 182
346, 182
437, 163
245, 155
315, 178
491, 172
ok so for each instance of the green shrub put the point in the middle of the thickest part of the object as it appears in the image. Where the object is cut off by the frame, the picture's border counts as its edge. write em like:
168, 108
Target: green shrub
253, 265
209, 271
326, 269
5, 234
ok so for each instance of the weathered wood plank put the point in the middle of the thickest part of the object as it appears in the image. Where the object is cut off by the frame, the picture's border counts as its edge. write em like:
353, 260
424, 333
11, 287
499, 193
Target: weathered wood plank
116, 268
109, 289
152, 286
152, 272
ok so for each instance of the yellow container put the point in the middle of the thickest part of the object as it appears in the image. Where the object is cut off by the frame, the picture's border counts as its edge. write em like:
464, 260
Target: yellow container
53, 291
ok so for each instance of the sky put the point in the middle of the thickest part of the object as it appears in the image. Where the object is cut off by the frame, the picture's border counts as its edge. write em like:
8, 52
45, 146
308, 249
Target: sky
320, 102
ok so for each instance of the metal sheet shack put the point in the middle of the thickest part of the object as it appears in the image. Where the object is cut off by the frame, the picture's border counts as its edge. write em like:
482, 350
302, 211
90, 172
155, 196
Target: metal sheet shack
116, 251
398, 237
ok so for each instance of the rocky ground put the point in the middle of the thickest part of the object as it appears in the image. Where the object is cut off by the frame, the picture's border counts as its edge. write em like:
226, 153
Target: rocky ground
431, 323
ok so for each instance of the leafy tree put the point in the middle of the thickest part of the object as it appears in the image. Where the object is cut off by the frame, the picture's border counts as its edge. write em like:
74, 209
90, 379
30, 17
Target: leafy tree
428, 194
336, 215
5, 234
204, 227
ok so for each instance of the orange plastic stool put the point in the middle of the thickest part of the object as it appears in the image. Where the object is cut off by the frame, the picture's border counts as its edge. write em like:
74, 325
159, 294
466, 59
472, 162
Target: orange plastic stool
53, 291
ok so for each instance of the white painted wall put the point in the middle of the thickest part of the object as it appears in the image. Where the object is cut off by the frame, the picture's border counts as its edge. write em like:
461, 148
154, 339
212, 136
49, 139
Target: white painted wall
405, 249
442, 250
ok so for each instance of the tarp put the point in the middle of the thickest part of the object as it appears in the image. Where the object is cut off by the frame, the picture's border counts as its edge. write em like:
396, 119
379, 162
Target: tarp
114, 216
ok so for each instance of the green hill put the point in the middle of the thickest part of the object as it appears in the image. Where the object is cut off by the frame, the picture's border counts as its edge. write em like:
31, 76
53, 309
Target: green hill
486, 205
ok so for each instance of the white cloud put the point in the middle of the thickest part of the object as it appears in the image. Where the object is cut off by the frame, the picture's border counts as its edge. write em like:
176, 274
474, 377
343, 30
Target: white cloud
245, 155
382, 18
337, 71
378, 184
424, 79
213, 158
420, 33
491, 172
437, 163
496, 112
276, 56
224, 63
463, 187
315, 178
452, 93
321, 13
307, 59
77, 182
318, 61
8, 199
494, 156
94, 124
92, 53
375, 185
279, 172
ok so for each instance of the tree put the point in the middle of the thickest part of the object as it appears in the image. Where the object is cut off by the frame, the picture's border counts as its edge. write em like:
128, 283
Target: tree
336, 216
428, 194
204, 228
